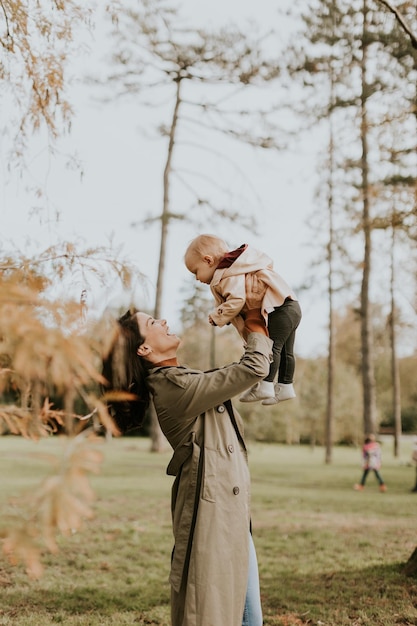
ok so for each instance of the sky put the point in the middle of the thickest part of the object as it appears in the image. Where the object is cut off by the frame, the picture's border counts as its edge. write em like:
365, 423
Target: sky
121, 183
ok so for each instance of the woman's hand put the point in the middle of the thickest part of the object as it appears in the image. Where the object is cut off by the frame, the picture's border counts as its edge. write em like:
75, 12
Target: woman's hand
254, 319
255, 291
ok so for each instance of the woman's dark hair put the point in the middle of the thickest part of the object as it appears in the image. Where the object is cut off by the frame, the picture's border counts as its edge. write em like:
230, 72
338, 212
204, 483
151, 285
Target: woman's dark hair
126, 372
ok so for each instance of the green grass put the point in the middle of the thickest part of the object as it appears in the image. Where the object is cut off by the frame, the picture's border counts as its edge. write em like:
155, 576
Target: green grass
328, 555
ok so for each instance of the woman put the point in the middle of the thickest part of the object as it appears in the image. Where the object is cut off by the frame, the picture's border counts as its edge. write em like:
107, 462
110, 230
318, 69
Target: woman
214, 573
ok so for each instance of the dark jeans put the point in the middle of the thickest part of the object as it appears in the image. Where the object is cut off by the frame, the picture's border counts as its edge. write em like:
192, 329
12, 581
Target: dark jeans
282, 324
377, 474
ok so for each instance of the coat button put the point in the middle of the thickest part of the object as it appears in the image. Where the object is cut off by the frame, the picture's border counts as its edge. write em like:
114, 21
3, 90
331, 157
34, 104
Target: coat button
220, 409
230, 448
236, 490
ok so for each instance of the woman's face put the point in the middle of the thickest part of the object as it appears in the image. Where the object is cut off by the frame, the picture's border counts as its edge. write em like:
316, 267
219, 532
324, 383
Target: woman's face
161, 344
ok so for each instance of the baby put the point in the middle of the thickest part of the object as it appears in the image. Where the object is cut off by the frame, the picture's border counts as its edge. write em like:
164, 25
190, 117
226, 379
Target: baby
209, 259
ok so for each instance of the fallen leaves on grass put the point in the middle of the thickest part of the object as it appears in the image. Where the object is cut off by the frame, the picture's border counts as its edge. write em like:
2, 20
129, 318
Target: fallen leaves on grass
5, 580
288, 619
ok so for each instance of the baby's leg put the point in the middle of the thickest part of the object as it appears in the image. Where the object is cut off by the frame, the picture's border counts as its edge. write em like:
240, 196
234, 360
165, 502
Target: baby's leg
282, 324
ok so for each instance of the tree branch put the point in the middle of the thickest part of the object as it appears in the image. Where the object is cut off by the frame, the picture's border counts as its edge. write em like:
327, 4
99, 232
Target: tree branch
6, 19
402, 22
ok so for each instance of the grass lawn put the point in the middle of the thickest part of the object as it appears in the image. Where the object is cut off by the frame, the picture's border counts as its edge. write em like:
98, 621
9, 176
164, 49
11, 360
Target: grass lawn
328, 555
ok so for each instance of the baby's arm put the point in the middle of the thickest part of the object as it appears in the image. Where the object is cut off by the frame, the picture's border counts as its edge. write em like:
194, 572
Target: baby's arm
233, 293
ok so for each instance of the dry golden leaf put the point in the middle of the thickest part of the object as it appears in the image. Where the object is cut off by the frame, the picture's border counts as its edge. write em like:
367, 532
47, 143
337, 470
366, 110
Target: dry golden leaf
19, 546
60, 505
106, 418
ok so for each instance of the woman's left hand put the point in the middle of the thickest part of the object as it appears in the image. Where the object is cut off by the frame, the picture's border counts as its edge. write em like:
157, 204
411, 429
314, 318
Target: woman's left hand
255, 291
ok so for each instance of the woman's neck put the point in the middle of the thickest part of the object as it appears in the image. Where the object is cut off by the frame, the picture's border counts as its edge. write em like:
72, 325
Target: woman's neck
167, 362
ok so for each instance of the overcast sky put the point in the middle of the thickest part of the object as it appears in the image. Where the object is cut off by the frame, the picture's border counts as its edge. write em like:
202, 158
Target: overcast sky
122, 182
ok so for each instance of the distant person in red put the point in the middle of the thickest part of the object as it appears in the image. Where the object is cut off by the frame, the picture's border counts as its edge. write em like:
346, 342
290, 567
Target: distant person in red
371, 453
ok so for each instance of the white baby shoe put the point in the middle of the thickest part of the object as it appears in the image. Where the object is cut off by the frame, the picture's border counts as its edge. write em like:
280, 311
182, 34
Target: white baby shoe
282, 392
261, 391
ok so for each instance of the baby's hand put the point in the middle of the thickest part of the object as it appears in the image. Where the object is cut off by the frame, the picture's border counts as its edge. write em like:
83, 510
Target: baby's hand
255, 291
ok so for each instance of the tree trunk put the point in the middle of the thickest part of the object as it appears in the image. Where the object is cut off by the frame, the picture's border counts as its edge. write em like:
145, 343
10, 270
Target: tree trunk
165, 217
368, 374
69, 412
331, 354
36, 405
396, 399
157, 438
410, 568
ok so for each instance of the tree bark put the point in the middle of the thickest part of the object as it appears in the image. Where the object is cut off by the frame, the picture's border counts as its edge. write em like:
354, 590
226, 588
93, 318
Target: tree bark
157, 438
410, 568
331, 346
165, 217
395, 375
368, 374
69, 412
401, 20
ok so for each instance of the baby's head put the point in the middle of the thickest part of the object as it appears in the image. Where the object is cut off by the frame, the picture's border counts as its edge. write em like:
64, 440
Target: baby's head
203, 255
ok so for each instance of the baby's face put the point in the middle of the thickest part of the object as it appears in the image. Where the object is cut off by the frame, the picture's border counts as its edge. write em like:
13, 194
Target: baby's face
203, 268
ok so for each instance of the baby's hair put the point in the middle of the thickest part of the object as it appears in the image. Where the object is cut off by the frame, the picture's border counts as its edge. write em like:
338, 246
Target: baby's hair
206, 244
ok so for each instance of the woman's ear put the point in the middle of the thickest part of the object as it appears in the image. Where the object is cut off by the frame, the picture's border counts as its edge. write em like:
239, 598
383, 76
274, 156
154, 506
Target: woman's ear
144, 350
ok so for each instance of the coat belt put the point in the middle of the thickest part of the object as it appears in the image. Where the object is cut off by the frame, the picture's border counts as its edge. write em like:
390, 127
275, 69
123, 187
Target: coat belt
185, 532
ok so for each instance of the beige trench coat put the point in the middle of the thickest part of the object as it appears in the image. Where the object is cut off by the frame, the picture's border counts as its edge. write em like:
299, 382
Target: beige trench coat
211, 492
